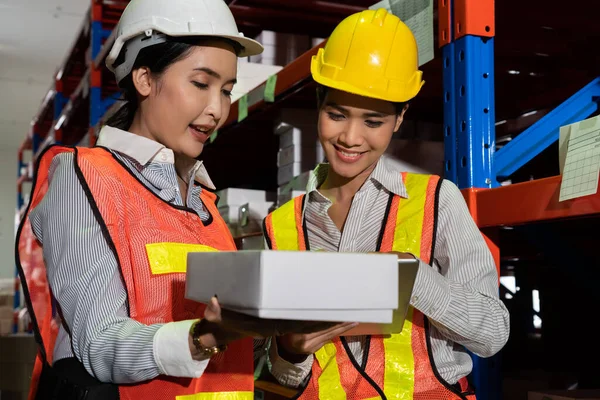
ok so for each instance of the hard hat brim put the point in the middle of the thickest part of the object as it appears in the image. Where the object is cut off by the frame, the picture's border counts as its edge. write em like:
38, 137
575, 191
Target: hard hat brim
349, 88
250, 47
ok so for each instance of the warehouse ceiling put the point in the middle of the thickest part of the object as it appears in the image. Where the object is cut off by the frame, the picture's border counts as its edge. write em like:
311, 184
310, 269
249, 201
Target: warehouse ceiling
35, 35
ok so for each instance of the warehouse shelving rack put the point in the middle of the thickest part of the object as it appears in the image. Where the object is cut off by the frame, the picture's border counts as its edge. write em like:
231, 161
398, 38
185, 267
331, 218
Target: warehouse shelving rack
85, 93
104, 92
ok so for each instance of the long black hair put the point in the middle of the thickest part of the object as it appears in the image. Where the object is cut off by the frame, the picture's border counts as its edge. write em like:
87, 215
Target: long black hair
157, 58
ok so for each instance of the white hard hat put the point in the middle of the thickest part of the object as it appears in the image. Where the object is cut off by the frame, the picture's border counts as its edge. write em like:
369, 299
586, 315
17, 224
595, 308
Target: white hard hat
148, 22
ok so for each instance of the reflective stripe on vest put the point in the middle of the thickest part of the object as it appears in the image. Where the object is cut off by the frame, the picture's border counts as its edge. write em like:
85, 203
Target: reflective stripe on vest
150, 239
409, 228
404, 232
218, 396
170, 258
281, 226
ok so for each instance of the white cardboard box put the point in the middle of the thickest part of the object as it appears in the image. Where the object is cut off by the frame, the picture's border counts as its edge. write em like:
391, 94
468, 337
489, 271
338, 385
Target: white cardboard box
289, 155
305, 154
248, 211
297, 136
299, 183
251, 75
235, 196
291, 285
309, 154
288, 172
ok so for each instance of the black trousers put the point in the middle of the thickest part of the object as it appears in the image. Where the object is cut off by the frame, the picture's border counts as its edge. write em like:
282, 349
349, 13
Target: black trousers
69, 380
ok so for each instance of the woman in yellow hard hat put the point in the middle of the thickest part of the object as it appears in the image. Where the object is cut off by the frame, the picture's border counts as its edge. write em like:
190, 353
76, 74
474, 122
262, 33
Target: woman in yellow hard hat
359, 202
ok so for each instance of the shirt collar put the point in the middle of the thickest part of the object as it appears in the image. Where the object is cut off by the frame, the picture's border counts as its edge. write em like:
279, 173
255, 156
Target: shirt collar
383, 174
144, 151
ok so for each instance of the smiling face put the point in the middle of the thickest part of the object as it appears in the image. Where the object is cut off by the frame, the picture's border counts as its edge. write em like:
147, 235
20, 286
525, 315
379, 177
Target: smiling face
355, 131
189, 101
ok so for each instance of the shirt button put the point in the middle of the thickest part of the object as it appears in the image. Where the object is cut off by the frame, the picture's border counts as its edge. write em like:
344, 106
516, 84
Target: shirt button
415, 299
163, 157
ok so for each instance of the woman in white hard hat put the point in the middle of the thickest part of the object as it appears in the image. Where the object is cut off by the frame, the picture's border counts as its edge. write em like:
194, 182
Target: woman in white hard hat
360, 202
116, 222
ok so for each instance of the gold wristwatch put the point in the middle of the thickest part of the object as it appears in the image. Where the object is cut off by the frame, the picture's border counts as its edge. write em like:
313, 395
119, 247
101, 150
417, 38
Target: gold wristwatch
198, 329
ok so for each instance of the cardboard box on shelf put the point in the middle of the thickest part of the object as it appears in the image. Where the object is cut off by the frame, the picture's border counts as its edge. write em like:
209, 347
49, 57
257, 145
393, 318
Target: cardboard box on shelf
297, 136
250, 75
6, 312
288, 172
246, 218
316, 41
236, 197
7, 299
7, 292
564, 395
6, 326
272, 284
246, 212
298, 183
305, 154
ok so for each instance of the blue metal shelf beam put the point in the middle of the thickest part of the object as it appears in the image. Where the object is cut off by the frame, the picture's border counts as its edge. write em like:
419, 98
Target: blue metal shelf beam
98, 35
99, 106
544, 132
60, 101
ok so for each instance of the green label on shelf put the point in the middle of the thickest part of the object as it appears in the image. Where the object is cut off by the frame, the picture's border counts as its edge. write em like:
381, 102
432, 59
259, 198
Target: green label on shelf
213, 136
288, 187
270, 88
242, 108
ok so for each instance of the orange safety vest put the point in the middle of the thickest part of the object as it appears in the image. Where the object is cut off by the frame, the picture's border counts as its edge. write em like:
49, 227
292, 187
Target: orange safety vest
398, 366
150, 239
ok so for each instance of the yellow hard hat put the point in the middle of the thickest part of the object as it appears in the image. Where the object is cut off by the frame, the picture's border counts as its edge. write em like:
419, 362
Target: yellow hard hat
373, 54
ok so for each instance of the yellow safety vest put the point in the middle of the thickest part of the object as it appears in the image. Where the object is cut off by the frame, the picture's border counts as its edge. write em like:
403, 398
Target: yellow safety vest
400, 366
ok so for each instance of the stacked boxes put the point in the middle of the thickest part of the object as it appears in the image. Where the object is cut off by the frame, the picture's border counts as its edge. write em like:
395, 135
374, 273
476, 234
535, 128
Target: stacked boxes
251, 75
299, 151
244, 209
